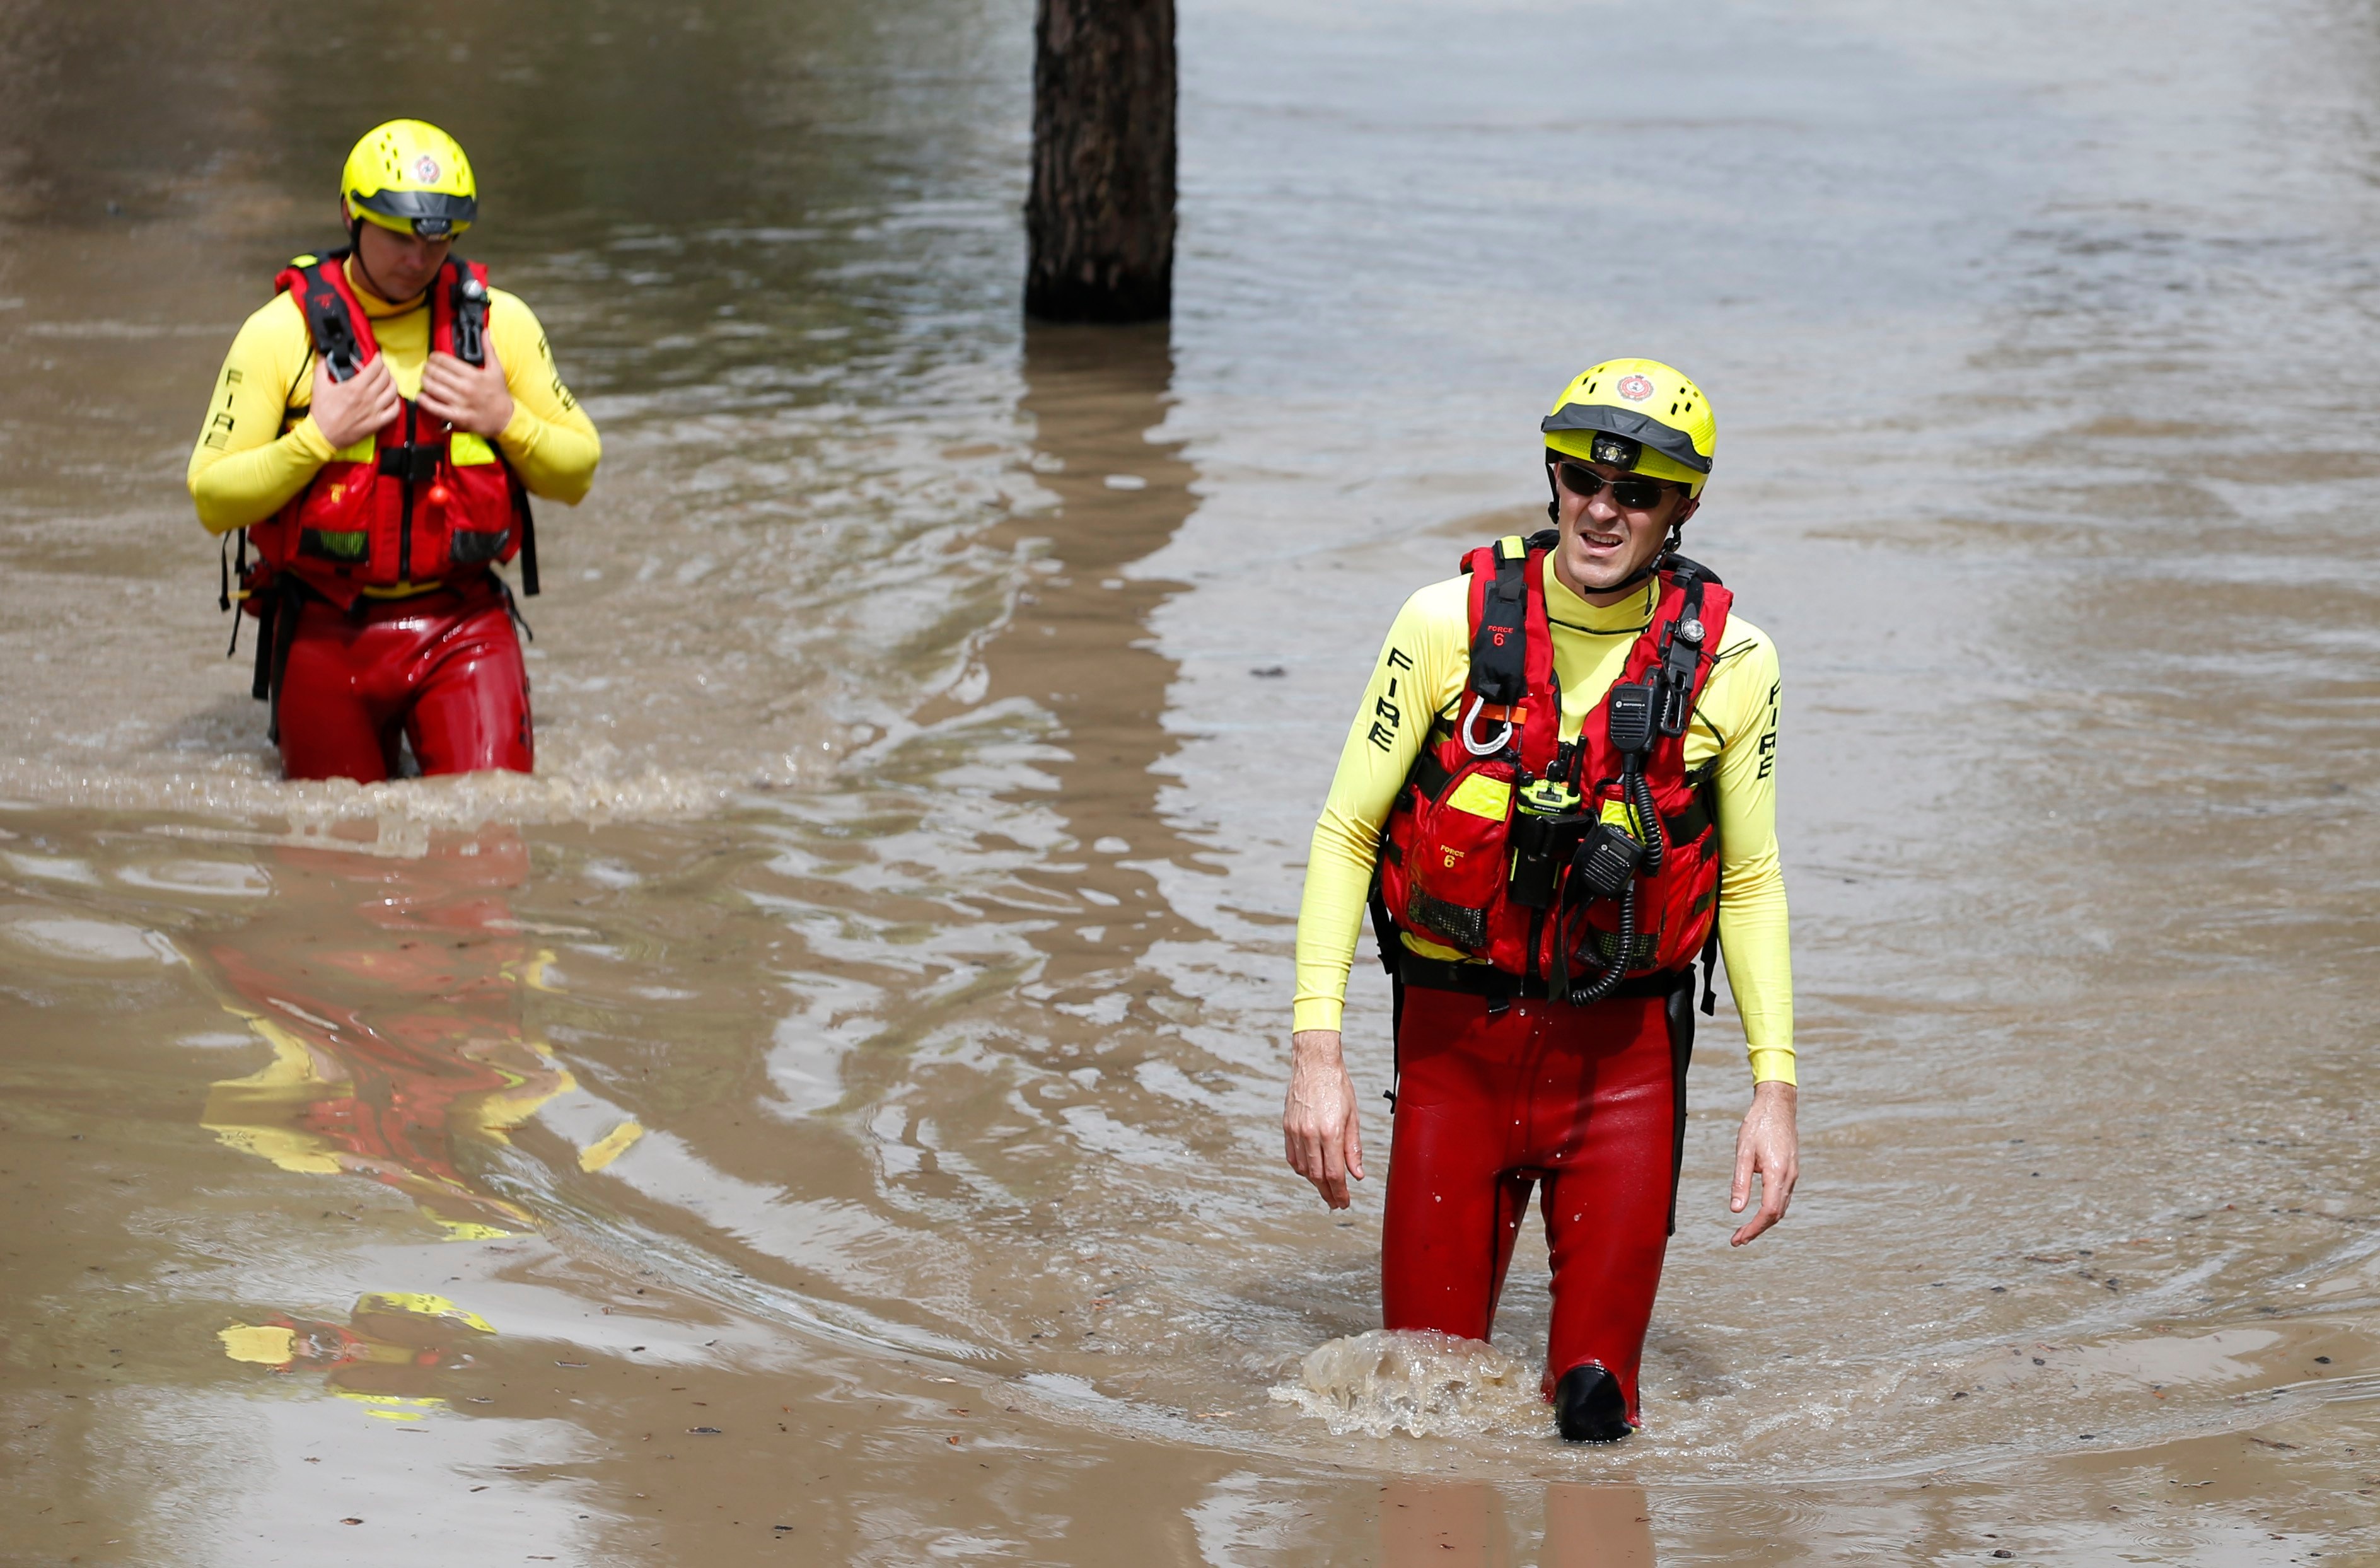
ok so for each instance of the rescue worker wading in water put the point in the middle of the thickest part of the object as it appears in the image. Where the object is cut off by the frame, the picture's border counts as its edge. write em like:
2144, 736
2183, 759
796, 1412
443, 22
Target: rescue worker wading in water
1559, 792
377, 430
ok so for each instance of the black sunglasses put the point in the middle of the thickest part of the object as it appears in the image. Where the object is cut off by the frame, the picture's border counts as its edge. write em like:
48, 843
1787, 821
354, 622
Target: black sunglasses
1631, 492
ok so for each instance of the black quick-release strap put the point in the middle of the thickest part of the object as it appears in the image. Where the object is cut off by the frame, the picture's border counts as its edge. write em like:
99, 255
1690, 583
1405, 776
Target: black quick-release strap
1684, 646
1499, 667
327, 321
470, 299
1683, 568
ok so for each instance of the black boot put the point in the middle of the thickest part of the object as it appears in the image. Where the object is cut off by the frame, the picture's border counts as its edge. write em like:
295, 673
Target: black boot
1588, 1408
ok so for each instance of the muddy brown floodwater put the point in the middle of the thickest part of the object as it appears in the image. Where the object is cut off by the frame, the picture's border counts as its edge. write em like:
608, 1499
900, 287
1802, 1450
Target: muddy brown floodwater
830, 1113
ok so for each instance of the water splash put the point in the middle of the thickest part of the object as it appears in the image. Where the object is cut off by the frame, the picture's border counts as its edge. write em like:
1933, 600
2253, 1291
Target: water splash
1417, 1382
399, 813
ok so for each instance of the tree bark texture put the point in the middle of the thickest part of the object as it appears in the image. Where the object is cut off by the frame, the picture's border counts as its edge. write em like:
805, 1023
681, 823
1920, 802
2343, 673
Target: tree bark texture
1099, 220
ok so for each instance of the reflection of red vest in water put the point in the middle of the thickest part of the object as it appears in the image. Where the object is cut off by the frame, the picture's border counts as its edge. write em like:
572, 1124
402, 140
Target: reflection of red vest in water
1482, 840
398, 1035
414, 503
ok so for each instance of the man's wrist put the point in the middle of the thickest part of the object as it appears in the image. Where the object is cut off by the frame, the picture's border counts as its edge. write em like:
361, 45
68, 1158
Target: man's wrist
1320, 1044
307, 437
1317, 1012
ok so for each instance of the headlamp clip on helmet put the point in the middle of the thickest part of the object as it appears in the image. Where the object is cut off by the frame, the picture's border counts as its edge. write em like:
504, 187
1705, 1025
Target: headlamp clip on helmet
1617, 450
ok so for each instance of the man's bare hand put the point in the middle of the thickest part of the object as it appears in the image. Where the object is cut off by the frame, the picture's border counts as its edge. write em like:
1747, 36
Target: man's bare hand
469, 398
1767, 1146
1318, 1124
346, 411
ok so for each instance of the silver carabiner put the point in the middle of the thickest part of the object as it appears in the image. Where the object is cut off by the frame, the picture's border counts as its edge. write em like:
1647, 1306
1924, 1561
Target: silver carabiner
1471, 722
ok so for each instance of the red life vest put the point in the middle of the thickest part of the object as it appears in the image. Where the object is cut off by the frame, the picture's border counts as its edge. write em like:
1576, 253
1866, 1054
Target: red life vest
1511, 844
419, 503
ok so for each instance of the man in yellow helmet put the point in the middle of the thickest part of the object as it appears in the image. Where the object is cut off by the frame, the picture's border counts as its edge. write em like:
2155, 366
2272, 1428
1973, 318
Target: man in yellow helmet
376, 434
1559, 791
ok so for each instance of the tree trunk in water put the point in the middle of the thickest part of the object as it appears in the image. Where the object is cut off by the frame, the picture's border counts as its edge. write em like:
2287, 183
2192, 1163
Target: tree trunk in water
1100, 218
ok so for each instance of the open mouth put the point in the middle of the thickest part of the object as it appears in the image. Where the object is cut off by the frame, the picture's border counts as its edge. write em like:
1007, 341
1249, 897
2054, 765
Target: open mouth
1600, 543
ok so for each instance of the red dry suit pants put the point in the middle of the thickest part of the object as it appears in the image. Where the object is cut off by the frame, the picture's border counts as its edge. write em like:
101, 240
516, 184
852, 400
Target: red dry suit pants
440, 669
1585, 1102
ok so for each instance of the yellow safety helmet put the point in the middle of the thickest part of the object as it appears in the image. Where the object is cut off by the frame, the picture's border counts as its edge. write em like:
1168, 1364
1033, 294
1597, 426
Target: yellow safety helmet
1640, 414
410, 177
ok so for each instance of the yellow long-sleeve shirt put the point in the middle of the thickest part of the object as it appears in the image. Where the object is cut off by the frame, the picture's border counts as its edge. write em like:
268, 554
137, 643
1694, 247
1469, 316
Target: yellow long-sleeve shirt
245, 468
1422, 671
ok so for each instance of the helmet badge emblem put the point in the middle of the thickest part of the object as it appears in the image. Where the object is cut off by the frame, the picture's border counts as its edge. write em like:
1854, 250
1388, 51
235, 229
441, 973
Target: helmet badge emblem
1634, 388
425, 169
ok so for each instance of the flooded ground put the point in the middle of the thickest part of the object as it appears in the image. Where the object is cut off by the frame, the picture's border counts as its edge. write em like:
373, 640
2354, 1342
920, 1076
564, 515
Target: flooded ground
830, 1113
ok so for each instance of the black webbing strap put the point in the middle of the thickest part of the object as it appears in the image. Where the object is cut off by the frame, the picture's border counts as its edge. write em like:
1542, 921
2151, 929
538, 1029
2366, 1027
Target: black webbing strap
1384, 932
1429, 775
1683, 652
1677, 1012
528, 538
268, 624
1499, 667
1384, 928
512, 605
414, 462
1486, 979
1710, 948
1681, 568
1705, 808
470, 299
1710, 971
223, 593
327, 321
275, 634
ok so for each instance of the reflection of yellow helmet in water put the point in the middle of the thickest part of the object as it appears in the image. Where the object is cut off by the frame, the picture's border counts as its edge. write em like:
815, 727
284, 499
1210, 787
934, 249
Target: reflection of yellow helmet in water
1640, 414
411, 176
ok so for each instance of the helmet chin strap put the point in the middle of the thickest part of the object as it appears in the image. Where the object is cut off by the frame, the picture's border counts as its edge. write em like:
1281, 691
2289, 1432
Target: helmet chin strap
1649, 569
356, 249
1660, 559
